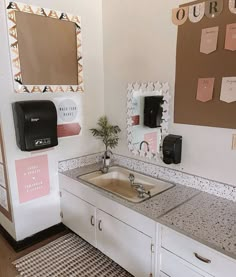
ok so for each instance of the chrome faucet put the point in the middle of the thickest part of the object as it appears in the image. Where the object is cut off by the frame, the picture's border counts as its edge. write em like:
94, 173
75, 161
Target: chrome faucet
105, 167
144, 142
138, 187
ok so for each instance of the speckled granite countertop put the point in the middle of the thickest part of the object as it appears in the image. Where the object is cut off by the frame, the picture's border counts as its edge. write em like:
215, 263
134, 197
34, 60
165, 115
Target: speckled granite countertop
206, 218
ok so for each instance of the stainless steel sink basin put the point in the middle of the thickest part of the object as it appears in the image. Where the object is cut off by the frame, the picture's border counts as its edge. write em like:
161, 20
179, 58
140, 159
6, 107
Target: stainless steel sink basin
117, 181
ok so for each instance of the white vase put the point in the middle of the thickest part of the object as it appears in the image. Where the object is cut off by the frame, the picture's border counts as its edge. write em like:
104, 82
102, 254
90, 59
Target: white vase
107, 162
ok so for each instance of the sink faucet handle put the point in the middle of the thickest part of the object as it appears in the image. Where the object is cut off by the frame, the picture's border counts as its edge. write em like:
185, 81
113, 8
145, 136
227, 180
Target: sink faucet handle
131, 178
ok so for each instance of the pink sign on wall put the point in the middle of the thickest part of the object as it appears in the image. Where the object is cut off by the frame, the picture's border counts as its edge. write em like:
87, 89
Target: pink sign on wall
32, 178
67, 130
151, 139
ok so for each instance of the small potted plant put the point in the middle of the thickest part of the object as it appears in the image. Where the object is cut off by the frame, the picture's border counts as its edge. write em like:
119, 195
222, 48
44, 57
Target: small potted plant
108, 134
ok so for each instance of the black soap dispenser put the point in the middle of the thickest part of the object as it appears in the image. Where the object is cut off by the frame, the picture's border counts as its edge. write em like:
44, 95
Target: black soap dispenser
172, 149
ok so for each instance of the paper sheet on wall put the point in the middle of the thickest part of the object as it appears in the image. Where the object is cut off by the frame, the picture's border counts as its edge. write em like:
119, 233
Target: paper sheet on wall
228, 90
214, 8
70, 116
151, 139
2, 176
209, 40
232, 6
197, 12
3, 198
205, 89
180, 15
230, 38
32, 178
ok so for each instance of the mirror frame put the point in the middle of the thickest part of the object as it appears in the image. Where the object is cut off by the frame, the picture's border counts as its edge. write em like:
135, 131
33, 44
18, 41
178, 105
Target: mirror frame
156, 89
19, 87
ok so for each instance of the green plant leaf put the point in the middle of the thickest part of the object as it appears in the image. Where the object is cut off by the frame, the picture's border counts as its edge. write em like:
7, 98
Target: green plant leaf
106, 132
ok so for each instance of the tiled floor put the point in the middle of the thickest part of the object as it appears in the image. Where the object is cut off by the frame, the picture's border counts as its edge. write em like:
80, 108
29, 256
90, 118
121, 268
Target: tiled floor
8, 255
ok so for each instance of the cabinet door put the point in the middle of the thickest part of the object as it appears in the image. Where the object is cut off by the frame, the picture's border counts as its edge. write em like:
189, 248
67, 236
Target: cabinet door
174, 266
125, 245
79, 216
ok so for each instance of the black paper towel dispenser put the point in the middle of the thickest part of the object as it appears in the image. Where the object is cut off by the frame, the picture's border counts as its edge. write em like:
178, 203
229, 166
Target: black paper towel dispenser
172, 149
35, 124
153, 111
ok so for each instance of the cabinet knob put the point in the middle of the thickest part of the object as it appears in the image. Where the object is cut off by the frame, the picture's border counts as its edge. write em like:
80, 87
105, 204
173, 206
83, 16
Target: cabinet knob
100, 225
202, 259
92, 220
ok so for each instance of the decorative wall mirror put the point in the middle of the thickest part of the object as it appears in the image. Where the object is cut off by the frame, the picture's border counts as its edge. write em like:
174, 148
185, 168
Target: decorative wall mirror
147, 117
45, 48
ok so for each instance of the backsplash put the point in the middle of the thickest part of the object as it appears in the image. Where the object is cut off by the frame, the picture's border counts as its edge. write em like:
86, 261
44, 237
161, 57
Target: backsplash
219, 189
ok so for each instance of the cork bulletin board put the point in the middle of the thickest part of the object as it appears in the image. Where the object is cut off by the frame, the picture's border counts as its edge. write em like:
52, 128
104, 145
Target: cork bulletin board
46, 49
46, 56
191, 65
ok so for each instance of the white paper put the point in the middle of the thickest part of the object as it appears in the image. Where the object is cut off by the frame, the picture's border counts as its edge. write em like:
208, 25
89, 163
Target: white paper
68, 110
2, 176
3, 198
228, 90
196, 12
232, 6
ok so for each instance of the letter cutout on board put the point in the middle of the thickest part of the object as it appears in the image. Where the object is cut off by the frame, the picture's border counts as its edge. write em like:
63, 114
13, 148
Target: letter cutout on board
230, 38
232, 6
209, 40
213, 8
180, 15
205, 89
196, 12
228, 90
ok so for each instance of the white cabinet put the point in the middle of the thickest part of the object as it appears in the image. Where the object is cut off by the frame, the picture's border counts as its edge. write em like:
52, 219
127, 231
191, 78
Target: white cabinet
173, 266
79, 216
195, 254
124, 244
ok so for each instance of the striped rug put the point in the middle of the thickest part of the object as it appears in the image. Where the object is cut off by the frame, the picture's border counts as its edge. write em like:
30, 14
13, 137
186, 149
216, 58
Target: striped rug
68, 256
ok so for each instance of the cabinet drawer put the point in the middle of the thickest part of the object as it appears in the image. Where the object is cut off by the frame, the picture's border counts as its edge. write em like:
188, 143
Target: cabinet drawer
198, 254
176, 267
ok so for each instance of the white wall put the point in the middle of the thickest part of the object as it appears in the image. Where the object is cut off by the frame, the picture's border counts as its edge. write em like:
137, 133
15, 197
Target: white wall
42, 213
140, 45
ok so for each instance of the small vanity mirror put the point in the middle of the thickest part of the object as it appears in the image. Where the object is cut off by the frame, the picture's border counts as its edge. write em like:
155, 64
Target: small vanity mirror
45, 49
147, 117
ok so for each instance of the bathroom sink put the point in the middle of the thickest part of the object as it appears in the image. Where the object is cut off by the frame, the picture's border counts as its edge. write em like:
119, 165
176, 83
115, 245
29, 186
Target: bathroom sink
117, 181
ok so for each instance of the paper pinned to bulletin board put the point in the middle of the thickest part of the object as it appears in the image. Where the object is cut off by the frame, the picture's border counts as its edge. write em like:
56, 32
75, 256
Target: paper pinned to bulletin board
192, 65
70, 116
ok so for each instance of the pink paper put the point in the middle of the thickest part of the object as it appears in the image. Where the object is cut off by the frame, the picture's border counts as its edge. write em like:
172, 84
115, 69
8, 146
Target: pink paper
180, 15
151, 139
32, 178
230, 39
67, 130
136, 120
205, 89
209, 40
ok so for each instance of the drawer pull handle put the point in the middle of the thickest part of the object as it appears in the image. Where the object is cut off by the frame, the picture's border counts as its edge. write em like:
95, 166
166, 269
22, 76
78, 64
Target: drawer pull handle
92, 220
204, 260
100, 225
